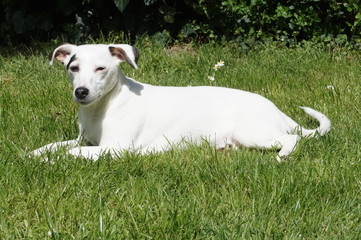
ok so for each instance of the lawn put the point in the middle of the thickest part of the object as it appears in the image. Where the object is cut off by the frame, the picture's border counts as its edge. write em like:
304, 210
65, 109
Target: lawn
195, 193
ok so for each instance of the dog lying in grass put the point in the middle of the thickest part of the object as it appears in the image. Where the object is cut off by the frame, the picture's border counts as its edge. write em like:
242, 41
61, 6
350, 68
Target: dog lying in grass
118, 113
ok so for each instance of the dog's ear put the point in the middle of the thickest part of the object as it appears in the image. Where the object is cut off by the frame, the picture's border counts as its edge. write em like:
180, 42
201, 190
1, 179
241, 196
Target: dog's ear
61, 53
125, 53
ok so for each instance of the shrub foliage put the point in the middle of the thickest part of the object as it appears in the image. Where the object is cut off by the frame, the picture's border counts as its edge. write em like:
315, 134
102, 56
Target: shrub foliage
242, 20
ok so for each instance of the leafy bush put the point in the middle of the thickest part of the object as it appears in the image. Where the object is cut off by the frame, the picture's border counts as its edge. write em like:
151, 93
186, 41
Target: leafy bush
246, 21
286, 20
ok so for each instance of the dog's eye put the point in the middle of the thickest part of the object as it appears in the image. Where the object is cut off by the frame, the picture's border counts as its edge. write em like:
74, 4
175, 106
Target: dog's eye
100, 69
74, 69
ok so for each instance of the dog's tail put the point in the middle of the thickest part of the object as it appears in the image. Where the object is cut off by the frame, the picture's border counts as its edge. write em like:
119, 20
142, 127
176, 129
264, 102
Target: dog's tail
325, 123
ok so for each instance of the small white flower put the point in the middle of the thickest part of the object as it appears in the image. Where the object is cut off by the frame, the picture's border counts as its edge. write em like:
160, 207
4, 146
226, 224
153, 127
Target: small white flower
330, 87
220, 63
211, 78
216, 67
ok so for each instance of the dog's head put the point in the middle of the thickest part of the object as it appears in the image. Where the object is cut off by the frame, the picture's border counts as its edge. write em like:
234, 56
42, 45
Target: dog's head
93, 69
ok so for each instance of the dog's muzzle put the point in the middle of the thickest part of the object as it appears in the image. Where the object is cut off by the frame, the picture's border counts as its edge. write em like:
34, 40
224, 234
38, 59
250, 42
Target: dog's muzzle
81, 93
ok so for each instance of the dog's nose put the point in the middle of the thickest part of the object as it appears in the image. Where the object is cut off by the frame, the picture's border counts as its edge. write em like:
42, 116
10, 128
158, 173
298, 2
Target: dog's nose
81, 92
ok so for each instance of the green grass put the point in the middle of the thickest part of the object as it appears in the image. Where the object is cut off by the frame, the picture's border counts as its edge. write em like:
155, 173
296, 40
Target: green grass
197, 193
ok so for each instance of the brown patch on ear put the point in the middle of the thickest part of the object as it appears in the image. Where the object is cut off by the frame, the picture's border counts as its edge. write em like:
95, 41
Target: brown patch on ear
122, 55
118, 52
50, 56
61, 55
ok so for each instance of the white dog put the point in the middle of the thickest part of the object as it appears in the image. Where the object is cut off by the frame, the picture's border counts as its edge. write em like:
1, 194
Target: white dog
118, 113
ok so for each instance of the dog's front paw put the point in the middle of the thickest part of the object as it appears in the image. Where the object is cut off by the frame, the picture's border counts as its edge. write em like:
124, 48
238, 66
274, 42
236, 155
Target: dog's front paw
76, 152
37, 152
84, 152
40, 152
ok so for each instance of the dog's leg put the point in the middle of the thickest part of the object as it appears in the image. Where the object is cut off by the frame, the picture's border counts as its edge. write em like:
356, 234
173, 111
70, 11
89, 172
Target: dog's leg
52, 147
287, 144
92, 152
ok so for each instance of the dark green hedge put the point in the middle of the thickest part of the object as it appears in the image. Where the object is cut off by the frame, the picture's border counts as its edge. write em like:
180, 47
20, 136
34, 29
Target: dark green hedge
247, 21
